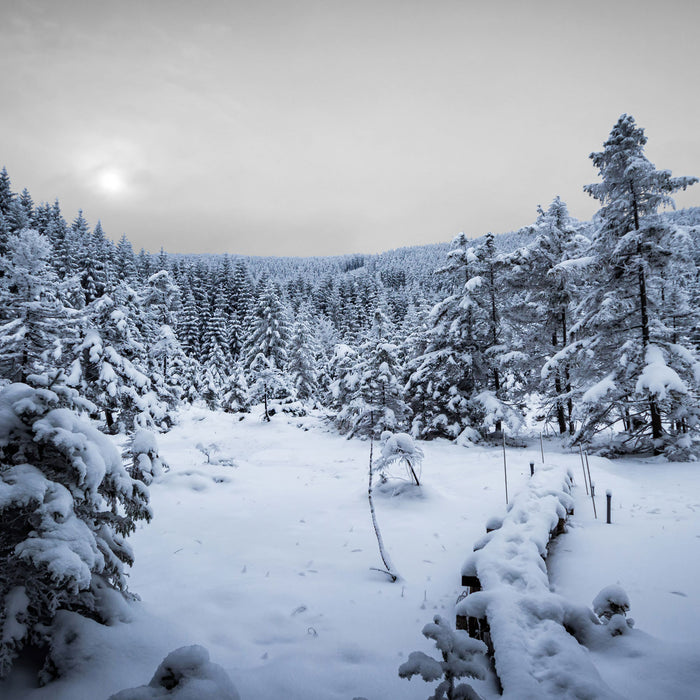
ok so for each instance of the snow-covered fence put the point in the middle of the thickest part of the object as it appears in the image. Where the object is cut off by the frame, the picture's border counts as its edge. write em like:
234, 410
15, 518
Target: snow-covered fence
509, 605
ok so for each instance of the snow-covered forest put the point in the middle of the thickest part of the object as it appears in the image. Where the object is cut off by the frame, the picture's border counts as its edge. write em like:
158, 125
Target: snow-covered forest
586, 331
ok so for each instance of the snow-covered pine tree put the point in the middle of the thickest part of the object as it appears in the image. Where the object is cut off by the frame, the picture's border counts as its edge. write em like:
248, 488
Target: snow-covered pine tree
109, 365
189, 327
631, 371
268, 383
7, 196
377, 402
301, 363
67, 505
161, 297
269, 331
241, 300
234, 392
485, 293
34, 323
541, 287
343, 373
215, 343
125, 261
441, 378
168, 368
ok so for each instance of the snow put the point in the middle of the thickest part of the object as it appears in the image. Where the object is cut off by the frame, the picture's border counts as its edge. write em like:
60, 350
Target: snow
650, 553
535, 656
598, 390
657, 377
268, 566
185, 674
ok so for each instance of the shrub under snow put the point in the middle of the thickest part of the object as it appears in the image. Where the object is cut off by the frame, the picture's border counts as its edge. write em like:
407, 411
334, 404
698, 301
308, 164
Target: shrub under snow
462, 657
185, 674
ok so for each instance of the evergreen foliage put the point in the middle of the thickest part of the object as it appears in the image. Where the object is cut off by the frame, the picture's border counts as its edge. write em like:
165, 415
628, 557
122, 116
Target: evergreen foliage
592, 324
67, 505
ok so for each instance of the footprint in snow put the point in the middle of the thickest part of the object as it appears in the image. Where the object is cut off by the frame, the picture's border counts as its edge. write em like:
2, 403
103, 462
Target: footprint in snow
680, 593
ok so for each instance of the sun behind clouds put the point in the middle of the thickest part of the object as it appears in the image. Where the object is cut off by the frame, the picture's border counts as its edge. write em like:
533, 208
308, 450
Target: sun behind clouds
111, 181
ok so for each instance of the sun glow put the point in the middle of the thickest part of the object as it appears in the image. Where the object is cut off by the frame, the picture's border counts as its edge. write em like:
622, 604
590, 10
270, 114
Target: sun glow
111, 181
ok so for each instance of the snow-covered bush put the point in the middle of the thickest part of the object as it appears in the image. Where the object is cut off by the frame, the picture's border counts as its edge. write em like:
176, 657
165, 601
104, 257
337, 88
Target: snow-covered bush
462, 657
235, 393
611, 606
399, 448
146, 462
66, 504
185, 674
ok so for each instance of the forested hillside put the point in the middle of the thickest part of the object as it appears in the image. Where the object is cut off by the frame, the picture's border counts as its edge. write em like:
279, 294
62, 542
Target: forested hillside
594, 323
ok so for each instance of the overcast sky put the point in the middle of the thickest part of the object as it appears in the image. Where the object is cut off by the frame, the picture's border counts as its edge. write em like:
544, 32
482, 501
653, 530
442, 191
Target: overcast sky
298, 127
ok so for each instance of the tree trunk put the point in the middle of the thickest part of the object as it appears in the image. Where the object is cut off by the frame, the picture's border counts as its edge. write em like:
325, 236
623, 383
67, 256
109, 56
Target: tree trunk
494, 338
267, 415
561, 418
567, 376
388, 567
656, 424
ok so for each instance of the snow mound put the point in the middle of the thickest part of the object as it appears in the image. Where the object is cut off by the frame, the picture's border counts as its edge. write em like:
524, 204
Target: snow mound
534, 654
185, 674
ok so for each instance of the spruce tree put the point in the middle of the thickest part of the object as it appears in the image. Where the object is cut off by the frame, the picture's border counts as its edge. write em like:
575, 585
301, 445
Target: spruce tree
301, 365
36, 325
632, 372
542, 287
67, 507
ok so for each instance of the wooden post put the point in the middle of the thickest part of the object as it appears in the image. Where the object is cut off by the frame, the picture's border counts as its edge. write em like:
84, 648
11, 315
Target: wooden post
583, 468
505, 469
608, 495
532, 468
588, 470
541, 447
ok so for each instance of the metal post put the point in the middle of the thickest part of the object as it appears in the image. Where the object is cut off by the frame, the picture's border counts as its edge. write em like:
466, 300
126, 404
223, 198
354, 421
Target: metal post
532, 468
595, 512
608, 495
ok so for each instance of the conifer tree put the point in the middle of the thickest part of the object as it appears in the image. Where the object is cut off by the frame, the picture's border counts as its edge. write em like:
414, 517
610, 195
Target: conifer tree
109, 367
125, 261
633, 372
35, 323
377, 402
269, 332
301, 365
188, 328
215, 345
234, 392
7, 196
541, 287
67, 507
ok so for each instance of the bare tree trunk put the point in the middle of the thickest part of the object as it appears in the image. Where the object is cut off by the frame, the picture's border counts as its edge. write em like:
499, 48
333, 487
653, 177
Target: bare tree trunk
388, 568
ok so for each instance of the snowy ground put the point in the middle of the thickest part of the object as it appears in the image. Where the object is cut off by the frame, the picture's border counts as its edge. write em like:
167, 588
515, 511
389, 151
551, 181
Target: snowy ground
267, 563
